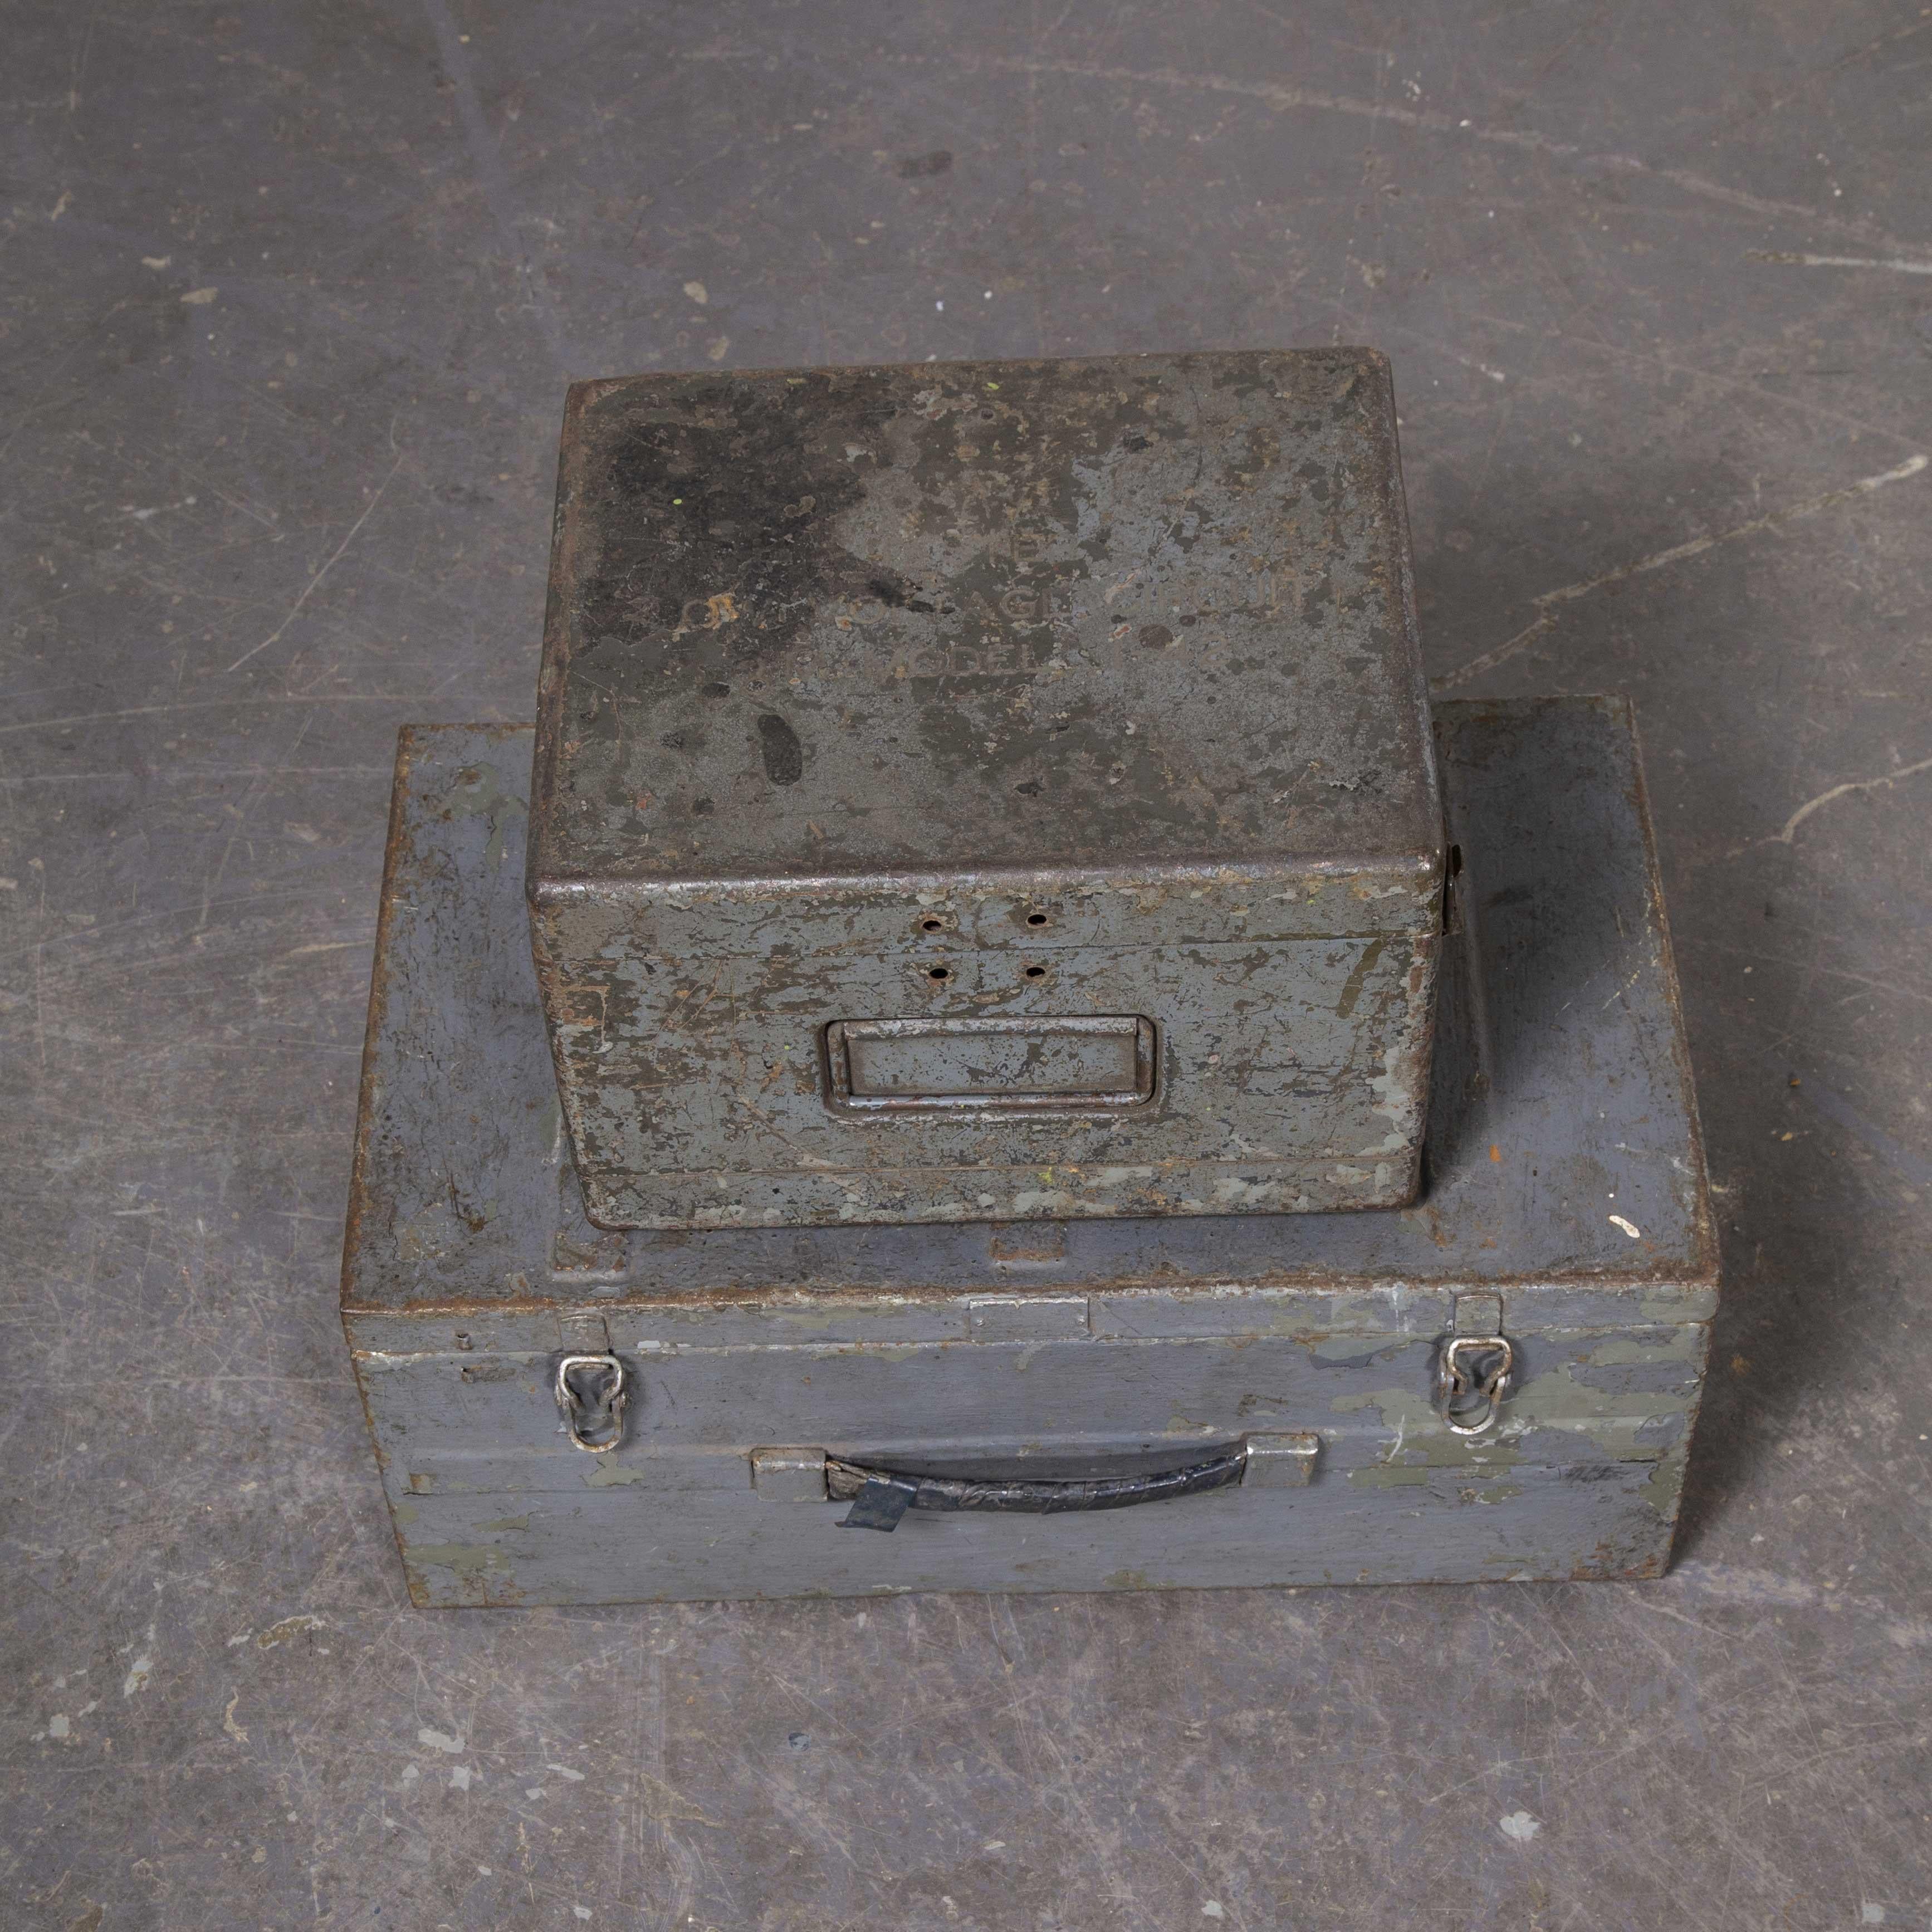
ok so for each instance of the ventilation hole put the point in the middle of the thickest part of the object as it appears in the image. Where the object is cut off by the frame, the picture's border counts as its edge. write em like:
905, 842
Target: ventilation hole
1036, 972
1036, 919
933, 924
939, 973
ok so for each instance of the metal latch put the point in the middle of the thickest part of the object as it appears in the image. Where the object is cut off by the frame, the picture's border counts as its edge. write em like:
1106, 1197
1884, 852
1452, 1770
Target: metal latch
591, 1393
1477, 1364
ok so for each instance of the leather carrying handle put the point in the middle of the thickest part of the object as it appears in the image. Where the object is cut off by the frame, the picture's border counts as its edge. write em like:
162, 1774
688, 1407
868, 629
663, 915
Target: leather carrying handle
879, 1497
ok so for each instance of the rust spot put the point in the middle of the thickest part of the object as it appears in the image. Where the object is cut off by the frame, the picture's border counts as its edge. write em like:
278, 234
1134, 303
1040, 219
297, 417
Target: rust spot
1351, 991
784, 757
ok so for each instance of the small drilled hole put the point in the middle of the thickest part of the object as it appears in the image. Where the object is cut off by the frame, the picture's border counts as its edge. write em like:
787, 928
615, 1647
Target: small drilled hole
1036, 919
939, 973
933, 924
1036, 972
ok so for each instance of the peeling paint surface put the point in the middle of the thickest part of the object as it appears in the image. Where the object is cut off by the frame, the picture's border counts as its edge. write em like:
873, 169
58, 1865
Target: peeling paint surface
1100, 696
1581, 1478
498, 1210
1581, 235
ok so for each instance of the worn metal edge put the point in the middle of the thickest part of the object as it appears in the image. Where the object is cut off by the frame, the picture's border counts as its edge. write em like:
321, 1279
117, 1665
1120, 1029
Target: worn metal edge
1698, 1294
594, 389
1417, 870
1706, 1264
1312, 1176
376, 1012
408, 738
658, 1348
1419, 709
1706, 1234
1708, 1248
555, 659
1618, 706
415, 1583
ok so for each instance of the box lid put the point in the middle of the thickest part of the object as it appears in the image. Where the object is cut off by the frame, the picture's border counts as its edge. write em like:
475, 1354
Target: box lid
1566, 1170
1139, 613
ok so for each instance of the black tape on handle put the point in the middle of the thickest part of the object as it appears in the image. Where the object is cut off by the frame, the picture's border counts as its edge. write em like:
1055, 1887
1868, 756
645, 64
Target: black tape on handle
881, 1496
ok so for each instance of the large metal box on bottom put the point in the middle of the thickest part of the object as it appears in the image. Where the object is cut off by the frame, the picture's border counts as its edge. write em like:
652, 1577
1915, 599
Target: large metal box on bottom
1300, 1360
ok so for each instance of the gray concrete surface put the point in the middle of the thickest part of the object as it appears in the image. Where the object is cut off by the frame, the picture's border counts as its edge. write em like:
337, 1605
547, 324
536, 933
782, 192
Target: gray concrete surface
288, 299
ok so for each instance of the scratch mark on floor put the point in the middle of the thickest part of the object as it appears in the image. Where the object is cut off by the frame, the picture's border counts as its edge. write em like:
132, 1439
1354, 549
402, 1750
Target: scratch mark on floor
1898, 264
308, 588
256, 793
215, 704
1811, 967
1825, 798
1590, 344
1275, 94
1546, 604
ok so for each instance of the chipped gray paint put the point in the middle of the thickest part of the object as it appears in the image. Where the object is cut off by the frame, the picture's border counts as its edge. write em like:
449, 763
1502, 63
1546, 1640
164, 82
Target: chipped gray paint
453, 231
1096, 1344
1100, 695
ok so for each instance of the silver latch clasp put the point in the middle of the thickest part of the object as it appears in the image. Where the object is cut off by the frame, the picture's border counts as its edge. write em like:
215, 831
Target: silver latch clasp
1472, 1381
591, 1392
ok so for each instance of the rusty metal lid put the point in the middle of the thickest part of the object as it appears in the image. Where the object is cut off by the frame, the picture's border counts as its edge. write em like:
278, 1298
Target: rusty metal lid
1134, 612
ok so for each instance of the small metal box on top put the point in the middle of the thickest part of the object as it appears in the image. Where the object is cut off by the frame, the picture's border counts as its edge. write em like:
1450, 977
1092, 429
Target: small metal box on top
986, 791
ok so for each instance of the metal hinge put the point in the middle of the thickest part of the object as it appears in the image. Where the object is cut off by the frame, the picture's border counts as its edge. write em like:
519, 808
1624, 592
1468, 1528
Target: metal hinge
1474, 1372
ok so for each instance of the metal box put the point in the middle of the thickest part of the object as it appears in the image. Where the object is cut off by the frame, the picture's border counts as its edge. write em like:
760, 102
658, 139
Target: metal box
986, 792
1318, 1398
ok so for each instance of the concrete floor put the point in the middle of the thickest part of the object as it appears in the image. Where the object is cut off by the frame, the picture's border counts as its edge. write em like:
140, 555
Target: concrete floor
289, 297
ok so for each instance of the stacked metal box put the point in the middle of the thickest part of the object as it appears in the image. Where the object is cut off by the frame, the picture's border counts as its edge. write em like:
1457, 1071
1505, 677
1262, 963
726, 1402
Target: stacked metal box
993, 907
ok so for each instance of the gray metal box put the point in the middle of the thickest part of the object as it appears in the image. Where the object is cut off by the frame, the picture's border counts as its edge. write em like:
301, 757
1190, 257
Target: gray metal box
1565, 1213
984, 792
